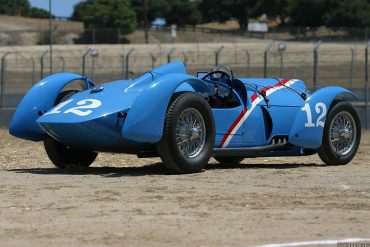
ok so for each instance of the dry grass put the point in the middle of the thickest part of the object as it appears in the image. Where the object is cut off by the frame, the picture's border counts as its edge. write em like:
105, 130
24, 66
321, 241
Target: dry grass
14, 23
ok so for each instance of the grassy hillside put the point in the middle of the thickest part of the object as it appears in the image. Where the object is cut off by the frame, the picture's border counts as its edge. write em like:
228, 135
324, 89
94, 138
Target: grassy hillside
14, 23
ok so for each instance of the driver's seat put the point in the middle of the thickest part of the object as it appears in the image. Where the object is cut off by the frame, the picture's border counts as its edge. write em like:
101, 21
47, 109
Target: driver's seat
241, 90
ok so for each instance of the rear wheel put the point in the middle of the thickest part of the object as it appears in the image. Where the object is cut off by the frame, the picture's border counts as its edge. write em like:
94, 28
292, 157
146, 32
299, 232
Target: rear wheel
342, 134
189, 134
229, 160
63, 156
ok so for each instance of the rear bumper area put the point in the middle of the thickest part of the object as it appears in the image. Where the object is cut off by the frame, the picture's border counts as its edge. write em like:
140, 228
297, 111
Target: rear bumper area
102, 134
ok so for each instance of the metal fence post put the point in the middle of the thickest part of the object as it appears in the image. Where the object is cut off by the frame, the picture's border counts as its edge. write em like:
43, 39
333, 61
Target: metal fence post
367, 85
94, 54
3, 76
127, 61
351, 67
265, 56
185, 58
248, 61
33, 70
122, 66
154, 60
93, 68
281, 48
169, 54
315, 63
217, 54
42, 63
84, 55
63, 63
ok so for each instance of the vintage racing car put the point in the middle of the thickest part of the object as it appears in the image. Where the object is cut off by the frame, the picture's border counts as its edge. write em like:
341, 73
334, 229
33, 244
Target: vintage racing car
186, 119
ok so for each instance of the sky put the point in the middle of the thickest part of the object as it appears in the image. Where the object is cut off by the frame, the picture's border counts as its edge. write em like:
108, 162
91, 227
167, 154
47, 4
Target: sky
62, 8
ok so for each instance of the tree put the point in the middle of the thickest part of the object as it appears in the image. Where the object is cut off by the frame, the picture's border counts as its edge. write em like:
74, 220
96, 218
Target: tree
106, 14
223, 10
307, 12
157, 8
79, 10
344, 13
183, 12
14, 7
37, 13
276, 9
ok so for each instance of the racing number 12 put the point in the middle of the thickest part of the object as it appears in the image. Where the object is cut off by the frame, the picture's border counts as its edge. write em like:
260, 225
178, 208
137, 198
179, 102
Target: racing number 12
83, 104
320, 108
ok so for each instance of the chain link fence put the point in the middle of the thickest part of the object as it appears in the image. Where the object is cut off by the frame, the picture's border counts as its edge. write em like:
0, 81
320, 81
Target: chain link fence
336, 64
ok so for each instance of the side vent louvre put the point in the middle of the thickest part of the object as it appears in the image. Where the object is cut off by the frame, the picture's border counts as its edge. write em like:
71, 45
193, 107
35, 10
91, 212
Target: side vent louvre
279, 140
268, 123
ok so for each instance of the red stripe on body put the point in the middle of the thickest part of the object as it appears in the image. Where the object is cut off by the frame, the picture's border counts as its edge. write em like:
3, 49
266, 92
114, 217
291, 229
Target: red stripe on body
253, 98
233, 126
265, 89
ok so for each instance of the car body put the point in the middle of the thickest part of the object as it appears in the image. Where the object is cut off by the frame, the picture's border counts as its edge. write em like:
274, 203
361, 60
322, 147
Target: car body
251, 116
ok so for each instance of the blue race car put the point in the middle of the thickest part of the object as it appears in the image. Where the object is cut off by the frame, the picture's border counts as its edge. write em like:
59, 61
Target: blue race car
186, 119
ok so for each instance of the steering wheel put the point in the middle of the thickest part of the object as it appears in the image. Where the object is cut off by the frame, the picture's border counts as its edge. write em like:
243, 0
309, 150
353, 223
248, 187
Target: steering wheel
222, 76
212, 74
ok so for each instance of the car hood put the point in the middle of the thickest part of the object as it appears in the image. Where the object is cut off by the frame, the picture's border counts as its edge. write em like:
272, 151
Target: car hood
261, 83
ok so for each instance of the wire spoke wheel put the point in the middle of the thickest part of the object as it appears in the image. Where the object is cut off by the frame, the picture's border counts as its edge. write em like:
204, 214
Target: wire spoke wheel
190, 133
342, 133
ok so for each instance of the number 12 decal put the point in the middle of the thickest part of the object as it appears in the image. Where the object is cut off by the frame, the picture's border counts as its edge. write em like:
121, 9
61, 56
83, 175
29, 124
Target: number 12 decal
83, 104
320, 108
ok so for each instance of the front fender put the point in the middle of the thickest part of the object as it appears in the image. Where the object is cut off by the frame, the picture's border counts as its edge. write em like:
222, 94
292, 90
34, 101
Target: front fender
145, 119
41, 97
308, 126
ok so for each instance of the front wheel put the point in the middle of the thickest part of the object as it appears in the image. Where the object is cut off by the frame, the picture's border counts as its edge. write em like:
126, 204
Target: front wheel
67, 158
342, 134
62, 156
188, 135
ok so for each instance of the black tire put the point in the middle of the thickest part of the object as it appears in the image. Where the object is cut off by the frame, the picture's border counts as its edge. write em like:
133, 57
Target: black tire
63, 96
64, 157
168, 149
229, 160
326, 152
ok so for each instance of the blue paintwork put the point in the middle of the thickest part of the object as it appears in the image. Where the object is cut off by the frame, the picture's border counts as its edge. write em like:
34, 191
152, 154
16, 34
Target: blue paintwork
40, 97
132, 112
145, 119
311, 137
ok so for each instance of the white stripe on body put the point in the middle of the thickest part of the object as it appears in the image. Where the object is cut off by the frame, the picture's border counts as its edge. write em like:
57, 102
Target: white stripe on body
254, 104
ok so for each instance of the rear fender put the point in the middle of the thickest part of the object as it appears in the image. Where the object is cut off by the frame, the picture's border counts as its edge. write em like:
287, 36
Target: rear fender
145, 119
40, 98
308, 126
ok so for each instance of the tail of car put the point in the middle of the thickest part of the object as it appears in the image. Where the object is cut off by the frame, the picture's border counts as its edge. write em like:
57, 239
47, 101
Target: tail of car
39, 99
143, 101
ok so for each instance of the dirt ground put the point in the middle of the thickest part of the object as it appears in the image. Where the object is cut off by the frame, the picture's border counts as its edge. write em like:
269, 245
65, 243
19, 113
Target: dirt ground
125, 201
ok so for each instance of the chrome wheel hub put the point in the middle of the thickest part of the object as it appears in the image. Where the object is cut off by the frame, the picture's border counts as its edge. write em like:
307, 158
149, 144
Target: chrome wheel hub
190, 133
342, 133
195, 133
